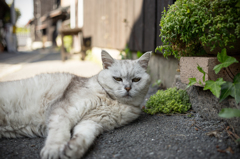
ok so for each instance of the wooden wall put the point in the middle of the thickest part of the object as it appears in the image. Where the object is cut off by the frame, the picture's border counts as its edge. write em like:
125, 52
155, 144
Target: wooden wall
117, 23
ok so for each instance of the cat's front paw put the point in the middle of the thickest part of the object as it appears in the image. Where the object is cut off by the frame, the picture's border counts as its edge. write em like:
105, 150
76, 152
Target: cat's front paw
51, 151
72, 150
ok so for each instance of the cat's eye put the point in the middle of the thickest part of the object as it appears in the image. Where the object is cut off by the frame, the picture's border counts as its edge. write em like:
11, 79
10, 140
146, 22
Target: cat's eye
117, 78
136, 79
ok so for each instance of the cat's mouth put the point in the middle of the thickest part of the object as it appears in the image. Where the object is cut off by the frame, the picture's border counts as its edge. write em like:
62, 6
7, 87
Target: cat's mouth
127, 95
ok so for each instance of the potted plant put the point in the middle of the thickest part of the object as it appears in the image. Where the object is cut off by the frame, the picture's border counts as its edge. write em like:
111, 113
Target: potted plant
197, 27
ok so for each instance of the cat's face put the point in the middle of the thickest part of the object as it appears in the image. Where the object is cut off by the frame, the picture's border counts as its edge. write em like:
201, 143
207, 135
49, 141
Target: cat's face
125, 80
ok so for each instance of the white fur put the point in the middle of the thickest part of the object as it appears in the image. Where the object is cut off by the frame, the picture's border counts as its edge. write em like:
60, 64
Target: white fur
51, 105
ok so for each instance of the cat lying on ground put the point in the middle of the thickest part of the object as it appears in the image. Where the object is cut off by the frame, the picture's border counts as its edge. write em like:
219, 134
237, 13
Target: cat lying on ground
70, 110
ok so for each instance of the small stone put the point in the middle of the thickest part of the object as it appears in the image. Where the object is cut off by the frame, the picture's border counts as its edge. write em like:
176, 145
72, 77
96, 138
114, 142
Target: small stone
117, 155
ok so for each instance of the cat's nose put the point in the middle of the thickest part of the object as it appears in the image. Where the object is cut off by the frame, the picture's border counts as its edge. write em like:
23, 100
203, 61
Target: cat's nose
128, 88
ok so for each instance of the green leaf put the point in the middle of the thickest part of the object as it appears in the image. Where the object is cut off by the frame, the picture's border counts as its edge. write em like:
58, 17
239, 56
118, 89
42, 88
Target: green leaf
229, 113
192, 81
238, 4
236, 82
214, 86
188, 11
225, 61
232, 89
238, 140
200, 83
226, 90
139, 54
201, 70
157, 83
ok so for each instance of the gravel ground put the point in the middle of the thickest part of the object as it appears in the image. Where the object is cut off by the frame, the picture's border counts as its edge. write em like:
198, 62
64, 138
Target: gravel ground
150, 136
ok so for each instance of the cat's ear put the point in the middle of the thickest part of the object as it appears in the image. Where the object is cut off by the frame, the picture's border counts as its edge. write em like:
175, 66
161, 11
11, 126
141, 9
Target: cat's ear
144, 59
107, 60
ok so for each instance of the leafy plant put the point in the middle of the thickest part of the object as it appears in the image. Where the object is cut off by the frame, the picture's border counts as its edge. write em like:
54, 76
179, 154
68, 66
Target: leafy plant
127, 54
18, 14
231, 89
214, 86
157, 83
190, 25
68, 42
229, 113
8, 15
139, 54
22, 30
225, 61
168, 101
219, 86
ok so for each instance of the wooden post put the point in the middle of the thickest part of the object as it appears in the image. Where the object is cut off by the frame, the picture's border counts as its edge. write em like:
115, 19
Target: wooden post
64, 32
62, 48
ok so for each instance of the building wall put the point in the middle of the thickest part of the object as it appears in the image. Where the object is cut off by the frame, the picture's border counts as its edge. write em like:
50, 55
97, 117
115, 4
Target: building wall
41, 8
65, 3
161, 68
117, 23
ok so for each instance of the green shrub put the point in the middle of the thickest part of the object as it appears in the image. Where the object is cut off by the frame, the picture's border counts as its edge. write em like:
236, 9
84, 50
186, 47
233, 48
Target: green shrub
168, 101
190, 25
68, 42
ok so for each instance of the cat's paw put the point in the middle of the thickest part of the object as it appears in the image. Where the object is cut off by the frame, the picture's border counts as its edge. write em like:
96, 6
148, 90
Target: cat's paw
51, 151
72, 150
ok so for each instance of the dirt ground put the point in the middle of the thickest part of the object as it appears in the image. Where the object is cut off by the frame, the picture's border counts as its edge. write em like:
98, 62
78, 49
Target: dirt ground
149, 137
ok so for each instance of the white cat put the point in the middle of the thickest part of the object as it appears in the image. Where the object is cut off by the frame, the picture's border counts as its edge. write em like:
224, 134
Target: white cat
70, 110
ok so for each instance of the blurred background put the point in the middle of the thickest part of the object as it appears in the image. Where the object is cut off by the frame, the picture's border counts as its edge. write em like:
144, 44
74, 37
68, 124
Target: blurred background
38, 36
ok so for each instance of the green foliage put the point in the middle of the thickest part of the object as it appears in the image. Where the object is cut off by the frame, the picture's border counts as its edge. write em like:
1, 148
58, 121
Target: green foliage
221, 88
139, 54
127, 54
18, 14
231, 89
229, 113
7, 17
214, 86
238, 4
157, 83
188, 25
22, 30
168, 101
192, 81
68, 42
190, 115
202, 71
8, 14
225, 61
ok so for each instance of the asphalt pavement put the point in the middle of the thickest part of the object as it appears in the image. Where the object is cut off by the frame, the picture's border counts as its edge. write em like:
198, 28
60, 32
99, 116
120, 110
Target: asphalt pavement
178, 136
27, 64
